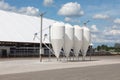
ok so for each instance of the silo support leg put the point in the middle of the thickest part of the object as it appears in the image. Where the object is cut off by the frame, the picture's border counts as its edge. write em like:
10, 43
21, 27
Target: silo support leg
57, 59
83, 58
73, 57
67, 58
78, 58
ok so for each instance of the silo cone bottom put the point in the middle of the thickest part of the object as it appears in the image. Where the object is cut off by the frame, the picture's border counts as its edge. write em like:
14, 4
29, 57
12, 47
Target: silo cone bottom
57, 57
78, 58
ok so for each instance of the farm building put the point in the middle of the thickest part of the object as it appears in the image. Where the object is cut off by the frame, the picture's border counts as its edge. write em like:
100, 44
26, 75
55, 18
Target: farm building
17, 34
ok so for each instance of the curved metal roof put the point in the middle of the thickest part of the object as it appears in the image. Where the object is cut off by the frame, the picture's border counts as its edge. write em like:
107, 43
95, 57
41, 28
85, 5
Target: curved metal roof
21, 28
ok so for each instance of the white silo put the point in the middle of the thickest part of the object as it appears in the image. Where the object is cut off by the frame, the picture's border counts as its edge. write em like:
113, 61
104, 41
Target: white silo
86, 40
68, 42
57, 37
78, 38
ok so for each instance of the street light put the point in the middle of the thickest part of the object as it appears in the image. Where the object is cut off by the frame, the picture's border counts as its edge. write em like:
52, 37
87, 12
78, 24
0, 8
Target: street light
86, 22
41, 17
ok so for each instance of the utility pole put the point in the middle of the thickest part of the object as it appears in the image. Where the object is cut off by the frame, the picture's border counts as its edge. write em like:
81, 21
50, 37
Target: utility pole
41, 17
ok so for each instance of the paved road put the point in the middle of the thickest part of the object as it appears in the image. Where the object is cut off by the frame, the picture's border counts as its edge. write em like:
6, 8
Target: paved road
106, 72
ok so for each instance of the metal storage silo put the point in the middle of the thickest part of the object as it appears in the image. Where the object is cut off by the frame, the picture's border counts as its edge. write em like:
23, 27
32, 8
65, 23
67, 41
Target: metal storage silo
57, 37
78, 37
86, 41
68, 42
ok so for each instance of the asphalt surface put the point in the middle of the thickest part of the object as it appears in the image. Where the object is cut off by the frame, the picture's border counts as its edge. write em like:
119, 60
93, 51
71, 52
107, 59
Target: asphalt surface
104, 72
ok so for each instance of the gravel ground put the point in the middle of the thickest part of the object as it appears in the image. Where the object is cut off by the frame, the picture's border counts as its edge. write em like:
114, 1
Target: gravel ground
104, 72
100, 68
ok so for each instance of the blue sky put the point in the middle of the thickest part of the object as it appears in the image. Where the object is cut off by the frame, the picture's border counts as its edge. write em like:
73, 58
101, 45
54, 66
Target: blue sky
104, 15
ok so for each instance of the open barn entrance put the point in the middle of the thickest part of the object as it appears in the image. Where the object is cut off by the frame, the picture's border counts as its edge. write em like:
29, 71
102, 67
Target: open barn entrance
4, 53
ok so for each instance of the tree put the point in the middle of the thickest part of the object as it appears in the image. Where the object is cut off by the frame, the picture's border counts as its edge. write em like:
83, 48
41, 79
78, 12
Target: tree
117, 47
98, 48
103, 47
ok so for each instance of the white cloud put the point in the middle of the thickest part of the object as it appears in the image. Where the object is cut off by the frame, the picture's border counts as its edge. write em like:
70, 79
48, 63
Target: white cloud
24, 10
71, 9
6, 6
69, 19
48, 2
100, 16
94, 28
117, 21
29, 10
109, 35
114, 26
112, 32
94, 36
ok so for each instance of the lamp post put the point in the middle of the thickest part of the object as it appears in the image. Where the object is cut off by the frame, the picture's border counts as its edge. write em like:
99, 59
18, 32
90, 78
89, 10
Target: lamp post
41, 17
85, 23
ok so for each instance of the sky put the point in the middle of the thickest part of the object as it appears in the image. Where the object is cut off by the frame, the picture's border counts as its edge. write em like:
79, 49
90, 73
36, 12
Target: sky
104, 15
